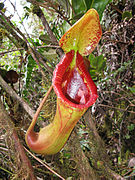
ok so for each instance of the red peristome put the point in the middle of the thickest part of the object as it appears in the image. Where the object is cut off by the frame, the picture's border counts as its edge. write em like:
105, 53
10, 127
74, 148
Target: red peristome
73, 85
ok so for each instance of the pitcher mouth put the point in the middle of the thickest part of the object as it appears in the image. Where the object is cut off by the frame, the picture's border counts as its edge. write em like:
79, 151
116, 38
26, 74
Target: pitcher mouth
72, 82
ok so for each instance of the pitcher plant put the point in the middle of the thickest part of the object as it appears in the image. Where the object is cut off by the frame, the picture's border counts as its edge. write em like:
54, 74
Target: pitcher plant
72, 84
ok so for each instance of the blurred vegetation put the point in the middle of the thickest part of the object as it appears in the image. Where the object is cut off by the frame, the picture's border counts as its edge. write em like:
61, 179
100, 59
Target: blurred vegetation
112, 67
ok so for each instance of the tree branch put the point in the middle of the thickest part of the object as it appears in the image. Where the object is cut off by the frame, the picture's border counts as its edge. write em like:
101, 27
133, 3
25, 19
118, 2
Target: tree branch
40, 14
50, 33
15, 96
98, 151
23, 162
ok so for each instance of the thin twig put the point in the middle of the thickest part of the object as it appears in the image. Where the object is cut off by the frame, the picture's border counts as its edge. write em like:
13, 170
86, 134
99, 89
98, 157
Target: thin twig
35, 58
56, 10
49, 46
121, 96
47, 27
116, 8
3, 149
34, 120
43, 101
38, 47
45, 165
116, 108
6, 52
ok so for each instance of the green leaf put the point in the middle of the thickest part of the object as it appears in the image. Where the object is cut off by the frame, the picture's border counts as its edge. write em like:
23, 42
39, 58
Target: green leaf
7, 66
15, 66
29, 70
91, 58
89, 3
119, 160
126, 15
93, 74
45, 38
100, 6
67, 155
79, 6
131, 127
77, 17
127, 136
98, 63
27, 8
101, 63
65, 27
132, 89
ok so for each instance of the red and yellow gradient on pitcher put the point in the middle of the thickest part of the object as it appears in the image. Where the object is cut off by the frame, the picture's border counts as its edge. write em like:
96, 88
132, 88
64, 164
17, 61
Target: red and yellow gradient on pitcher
72, 84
